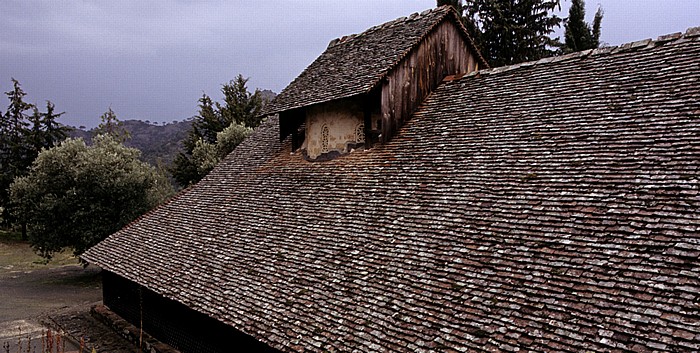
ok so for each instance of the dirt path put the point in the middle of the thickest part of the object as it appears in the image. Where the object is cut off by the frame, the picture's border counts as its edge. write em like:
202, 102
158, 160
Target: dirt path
61, 297
28, 294
35, 295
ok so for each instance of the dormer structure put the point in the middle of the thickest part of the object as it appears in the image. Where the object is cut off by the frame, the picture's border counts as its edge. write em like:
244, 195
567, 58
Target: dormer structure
365, 86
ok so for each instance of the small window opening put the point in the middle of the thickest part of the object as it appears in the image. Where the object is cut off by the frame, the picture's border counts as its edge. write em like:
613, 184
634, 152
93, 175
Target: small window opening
360, 133
324, 139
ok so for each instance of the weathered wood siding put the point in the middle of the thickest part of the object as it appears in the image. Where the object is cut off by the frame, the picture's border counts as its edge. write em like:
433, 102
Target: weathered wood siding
443, 52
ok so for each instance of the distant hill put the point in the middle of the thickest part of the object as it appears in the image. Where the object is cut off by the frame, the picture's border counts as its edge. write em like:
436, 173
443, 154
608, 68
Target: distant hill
158, 143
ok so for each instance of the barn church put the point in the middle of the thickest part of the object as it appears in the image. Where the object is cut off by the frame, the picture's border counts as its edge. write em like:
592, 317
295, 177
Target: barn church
403, 196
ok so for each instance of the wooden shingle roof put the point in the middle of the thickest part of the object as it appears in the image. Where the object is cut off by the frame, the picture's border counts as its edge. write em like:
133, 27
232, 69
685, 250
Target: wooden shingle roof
355, 64
548, 206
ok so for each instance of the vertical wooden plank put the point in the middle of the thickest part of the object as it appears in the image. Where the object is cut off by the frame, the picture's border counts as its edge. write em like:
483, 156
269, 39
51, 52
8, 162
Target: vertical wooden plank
443, 52
386, 110
368, 104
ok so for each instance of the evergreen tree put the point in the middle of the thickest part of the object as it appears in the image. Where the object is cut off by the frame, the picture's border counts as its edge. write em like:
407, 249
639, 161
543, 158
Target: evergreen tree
14, 150
111, 126
456, 4
184, 169
511, 31
578, 34
45, 131
35, 134
240, 107
54, 132
208, 122
597, 20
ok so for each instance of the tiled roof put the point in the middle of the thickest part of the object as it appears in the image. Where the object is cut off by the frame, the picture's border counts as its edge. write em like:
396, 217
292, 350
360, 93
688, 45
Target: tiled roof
549, 206
355, 64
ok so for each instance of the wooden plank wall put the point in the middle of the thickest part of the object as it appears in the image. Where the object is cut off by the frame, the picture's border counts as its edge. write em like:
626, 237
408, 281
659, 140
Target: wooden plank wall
443, 52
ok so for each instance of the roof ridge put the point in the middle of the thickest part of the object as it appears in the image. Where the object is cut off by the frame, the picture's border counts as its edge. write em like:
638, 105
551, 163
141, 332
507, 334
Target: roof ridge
449, 10
648, 43
410, 18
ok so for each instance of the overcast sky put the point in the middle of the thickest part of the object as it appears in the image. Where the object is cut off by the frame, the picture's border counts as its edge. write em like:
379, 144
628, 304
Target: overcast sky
152, 60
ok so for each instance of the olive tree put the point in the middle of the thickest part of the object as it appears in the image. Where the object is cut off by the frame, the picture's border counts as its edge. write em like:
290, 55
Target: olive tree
205, 155
75, 195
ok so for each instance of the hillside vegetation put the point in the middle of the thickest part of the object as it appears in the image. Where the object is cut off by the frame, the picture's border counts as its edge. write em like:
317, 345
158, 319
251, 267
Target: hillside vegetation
158, 143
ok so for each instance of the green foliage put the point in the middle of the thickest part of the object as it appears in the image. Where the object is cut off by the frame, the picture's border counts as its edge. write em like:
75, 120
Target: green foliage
240, 108
13, 130
14, 149
110, 125
76, 195
597, 20
578, 34
206, 156
22, 136
232, 136
456, 4
512, 31
53, 132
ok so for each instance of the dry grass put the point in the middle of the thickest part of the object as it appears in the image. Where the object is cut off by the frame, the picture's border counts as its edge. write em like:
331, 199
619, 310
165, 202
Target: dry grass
17, 255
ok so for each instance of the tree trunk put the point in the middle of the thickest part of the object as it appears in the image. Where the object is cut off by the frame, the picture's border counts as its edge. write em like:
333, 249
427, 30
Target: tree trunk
24, 231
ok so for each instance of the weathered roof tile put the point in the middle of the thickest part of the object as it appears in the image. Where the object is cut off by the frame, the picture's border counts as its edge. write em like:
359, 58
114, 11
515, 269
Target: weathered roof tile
546, 206
354, 64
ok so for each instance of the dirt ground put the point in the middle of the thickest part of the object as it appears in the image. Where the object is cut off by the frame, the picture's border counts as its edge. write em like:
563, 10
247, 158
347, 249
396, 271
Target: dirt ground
28, 294
35, 296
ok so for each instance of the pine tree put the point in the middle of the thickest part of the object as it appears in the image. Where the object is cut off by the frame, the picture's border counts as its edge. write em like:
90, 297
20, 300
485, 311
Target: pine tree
456, 4
54, 132
204, 128
512, 31
35, 134
597, 20
240, 107
578, 34
112, 126
14, 150
45, 132
207, 123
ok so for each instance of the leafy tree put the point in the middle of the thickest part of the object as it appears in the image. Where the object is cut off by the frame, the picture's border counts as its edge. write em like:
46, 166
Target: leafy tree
205, 155
578, 34
240, 107
511, 31
232, 136
76, 195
